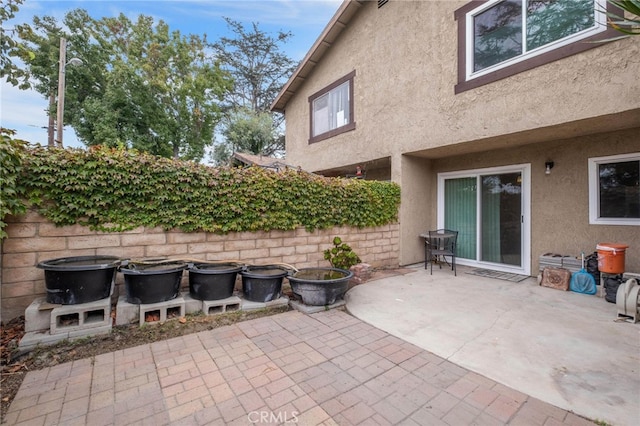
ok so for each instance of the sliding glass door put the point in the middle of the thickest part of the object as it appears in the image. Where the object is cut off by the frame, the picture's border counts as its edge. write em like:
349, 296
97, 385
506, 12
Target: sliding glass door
490, 210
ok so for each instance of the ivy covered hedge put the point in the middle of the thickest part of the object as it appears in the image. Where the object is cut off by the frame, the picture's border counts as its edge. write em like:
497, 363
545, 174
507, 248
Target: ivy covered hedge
115, 189
11, 155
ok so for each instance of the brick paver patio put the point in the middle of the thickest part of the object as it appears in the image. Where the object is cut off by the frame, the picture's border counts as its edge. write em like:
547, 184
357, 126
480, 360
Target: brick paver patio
323, 369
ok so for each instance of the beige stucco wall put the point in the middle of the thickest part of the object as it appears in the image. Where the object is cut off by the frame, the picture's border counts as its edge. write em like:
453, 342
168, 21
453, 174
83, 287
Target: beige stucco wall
559, 201
405, 58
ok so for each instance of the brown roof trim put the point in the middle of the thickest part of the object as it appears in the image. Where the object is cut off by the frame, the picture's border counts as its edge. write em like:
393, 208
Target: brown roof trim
338, 22
258, 160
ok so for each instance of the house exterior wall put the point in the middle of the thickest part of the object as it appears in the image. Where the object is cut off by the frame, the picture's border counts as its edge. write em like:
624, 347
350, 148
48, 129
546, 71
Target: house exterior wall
405, 60
33, 239
559, 201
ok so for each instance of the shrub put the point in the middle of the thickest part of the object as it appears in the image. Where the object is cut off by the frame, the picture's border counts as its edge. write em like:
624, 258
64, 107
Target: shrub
341, 255
114, 189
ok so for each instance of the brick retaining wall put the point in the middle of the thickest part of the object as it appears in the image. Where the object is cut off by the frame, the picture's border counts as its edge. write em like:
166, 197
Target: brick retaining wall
32, 239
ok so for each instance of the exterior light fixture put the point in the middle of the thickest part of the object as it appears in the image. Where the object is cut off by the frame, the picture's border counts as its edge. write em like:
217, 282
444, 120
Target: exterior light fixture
547, 167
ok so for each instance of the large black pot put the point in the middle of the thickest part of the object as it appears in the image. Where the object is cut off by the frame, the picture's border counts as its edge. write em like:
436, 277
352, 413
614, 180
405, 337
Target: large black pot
76, 280
212, 281
152, 283
262, 283
320, 286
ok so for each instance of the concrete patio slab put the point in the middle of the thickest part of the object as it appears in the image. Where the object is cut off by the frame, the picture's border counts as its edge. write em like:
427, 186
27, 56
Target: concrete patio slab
564, 348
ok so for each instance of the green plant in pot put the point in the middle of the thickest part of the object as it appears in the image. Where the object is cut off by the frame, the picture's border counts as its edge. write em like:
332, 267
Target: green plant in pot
341, 255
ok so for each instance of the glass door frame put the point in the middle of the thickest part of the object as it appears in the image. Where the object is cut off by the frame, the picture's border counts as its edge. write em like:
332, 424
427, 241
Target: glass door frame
525, 170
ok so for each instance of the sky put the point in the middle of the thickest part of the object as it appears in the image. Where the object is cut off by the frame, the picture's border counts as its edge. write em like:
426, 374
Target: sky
25, 111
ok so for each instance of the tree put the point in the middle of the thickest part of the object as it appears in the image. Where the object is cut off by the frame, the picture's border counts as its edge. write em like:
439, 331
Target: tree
259, 69
250, 131
141, 85
9, 46
43, 39
163, 93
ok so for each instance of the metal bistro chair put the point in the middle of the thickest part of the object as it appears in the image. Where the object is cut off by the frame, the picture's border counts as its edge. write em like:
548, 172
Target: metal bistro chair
441, 243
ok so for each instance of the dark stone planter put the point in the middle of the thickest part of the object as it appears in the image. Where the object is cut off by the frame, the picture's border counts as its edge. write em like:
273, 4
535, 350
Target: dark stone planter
262, 283
320, 286
152, 283
76, 280
212, 281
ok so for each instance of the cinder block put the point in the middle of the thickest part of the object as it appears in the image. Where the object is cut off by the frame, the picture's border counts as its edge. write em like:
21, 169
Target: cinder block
239, 245
84, 316
35, 318
191, 305
21, 230
191, 237
213, 307
166, 250
248, 305
126, 313
204, 247
93, 241
77, 334
16, 275
143, 240
282, 251
165, 310
32, 339
255, 253
308, 309
49, 229
17, 260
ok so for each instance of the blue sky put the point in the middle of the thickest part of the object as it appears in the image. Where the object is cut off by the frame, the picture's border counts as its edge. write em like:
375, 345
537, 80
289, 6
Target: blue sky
24, 111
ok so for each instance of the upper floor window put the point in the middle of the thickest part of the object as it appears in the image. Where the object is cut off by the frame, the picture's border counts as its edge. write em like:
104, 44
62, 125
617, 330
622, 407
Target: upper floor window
332, 109
614, 190
498, 38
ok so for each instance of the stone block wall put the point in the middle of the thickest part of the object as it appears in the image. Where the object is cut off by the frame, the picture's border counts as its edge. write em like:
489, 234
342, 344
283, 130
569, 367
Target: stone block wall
33, 239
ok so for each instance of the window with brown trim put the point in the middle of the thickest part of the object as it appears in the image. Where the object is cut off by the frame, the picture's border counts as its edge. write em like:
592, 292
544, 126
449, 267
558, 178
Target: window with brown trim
331, 109
500, 38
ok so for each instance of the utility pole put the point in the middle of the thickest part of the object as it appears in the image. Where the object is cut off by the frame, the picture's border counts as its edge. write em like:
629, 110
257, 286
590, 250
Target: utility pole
61, 77
61, 83
52, 121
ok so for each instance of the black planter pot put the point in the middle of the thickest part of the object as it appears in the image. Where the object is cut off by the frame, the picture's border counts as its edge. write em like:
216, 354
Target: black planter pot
212, 281
320, 286
262, 283
76, 280
152, 283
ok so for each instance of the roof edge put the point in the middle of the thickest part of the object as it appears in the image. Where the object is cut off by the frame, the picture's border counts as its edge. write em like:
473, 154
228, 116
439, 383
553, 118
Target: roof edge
345, 10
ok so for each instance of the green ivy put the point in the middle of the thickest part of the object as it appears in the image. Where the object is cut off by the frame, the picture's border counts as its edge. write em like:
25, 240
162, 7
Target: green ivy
12, 152
111, 189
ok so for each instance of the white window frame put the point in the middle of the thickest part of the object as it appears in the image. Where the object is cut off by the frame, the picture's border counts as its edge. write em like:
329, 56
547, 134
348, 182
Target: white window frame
346, 86
594, 190
348, 120
600, 6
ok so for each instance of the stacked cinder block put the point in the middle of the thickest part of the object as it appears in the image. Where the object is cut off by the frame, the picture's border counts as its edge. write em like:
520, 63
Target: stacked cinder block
552, 260
48, 324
